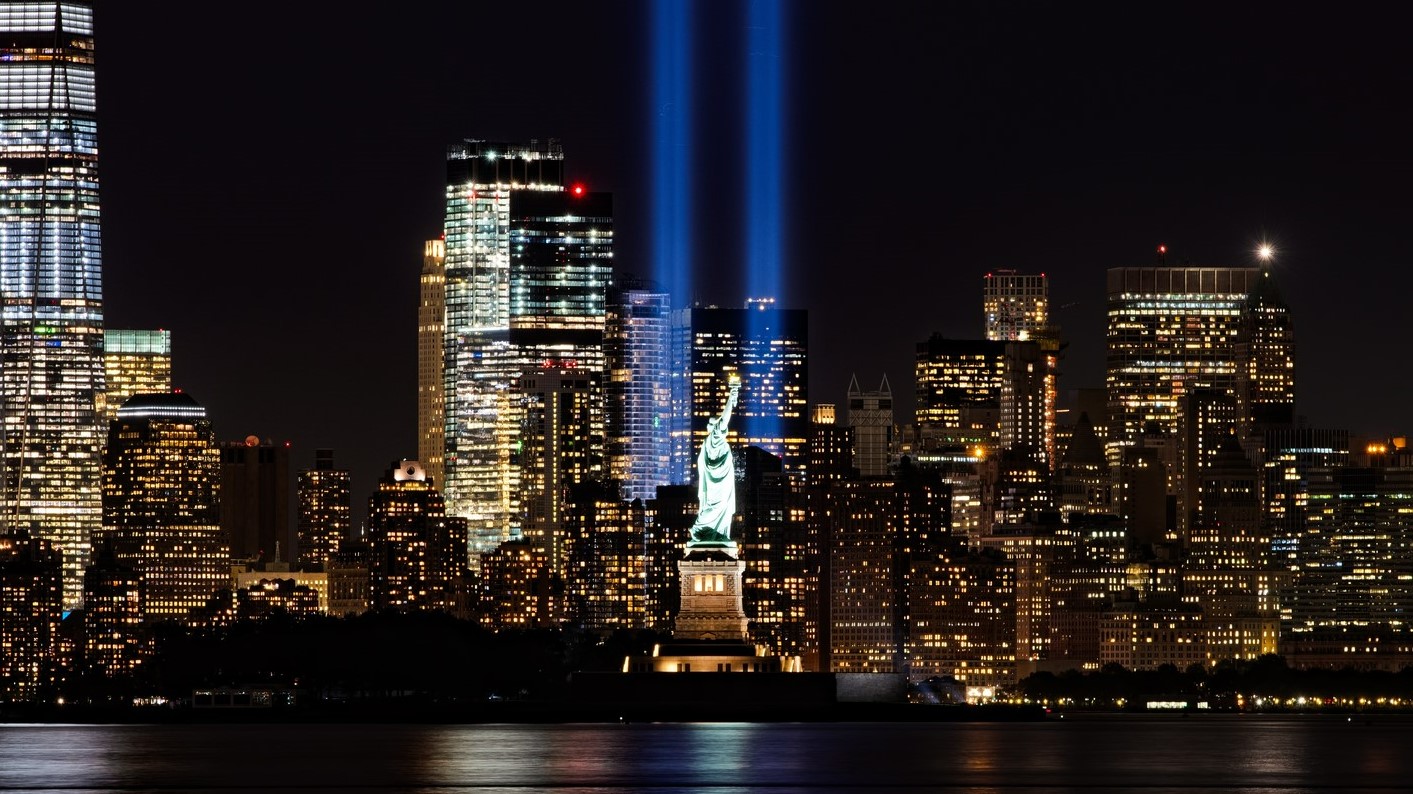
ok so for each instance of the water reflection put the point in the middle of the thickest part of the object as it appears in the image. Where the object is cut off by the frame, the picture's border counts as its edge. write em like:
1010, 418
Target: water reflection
1145, 754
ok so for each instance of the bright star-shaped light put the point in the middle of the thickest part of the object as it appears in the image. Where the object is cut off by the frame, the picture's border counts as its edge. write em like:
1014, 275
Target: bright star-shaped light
1265, 252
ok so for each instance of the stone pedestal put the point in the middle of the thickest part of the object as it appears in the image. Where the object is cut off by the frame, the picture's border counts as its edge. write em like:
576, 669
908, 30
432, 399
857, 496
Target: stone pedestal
711, 594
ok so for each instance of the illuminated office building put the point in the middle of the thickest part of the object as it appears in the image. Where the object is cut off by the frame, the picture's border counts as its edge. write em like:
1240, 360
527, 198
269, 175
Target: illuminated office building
255, 500
1291, 454
162, 503
768, 348
134, 362
325, 510
959, 383
479, 366
51, 324
638, 390
31, 607
1037, 551
1017, 305
418, 559
1171, 330
560, 444
1355, 554
431, 342
871, 417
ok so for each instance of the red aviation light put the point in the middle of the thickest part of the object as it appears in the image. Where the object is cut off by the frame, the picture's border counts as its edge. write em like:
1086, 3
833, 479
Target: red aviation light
577, 189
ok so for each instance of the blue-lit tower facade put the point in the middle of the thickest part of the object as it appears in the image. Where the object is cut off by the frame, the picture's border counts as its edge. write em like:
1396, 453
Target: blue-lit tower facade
768, 348
638, 388
479, 365
51, 324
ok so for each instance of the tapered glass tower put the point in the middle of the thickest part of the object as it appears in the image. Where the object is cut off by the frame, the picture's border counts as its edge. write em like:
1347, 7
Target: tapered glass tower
51, 324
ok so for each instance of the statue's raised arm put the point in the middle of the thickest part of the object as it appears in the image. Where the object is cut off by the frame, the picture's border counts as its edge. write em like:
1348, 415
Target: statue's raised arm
716, 478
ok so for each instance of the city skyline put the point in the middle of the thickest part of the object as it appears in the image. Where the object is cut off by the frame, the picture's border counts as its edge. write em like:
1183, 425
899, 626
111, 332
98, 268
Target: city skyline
991, 138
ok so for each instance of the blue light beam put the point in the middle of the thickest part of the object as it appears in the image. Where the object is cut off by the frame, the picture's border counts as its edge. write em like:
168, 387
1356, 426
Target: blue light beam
672, 148
764, 175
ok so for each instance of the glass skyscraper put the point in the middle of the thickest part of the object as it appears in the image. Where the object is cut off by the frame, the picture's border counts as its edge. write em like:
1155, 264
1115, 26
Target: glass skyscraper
51, 325
638, 389
479, 366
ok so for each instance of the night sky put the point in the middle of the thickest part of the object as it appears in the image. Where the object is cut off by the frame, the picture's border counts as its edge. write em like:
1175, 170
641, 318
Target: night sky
269, 178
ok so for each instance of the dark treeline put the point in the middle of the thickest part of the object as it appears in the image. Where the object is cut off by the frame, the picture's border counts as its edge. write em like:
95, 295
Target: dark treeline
1267, 682
387, 656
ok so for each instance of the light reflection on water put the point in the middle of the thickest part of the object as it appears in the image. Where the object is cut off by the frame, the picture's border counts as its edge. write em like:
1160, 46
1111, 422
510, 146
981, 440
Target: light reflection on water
1117, 752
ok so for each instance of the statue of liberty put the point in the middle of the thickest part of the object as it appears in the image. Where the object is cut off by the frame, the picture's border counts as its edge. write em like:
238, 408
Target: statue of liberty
716, 478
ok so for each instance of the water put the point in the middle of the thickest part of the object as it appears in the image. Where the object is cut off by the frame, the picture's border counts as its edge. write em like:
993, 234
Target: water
1167, 753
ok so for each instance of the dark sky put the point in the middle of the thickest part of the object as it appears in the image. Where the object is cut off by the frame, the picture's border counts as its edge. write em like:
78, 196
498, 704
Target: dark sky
269, 177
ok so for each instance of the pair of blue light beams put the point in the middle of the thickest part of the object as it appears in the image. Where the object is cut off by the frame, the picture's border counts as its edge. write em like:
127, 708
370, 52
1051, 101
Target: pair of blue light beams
673, 148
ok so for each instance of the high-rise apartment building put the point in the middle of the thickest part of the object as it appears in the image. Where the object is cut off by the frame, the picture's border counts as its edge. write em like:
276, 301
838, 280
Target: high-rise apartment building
51, 322
1171, 330
325, 510
419, 559
431, 342
768, 348
560, 445
161, 502
30, 611
871, 417
134, 362
638, 389
479, 366
112, 615
605, 576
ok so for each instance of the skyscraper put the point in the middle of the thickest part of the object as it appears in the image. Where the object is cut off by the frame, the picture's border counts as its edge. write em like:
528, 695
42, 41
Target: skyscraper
134, 362
769, 349
638, 393
325, 505
959, 384
871, 417
479, 365
558, 448
1017, 305
431, 332
161, 502
51, 324
1171, 330
30, 611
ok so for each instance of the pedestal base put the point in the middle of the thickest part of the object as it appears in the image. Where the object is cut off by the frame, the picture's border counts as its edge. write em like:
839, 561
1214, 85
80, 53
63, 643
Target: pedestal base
711, 595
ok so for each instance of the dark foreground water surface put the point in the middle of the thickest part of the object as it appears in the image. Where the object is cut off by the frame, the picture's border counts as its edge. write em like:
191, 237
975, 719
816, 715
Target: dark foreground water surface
1167, 753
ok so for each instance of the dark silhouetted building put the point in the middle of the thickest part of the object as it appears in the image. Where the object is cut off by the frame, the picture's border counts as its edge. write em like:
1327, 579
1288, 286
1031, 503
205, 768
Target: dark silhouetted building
255, 481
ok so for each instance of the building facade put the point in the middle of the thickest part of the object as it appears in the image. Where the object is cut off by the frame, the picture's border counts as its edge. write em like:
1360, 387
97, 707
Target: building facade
162, 503
638, 392
479, 366
431, 342
51, 280
134, 362
325, 501
418, 552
